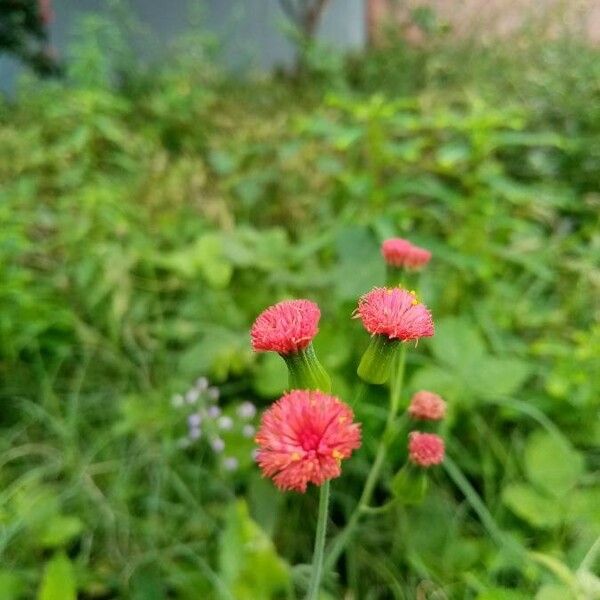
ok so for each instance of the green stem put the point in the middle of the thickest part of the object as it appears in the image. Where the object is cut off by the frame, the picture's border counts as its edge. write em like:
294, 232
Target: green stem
317, 565
477, 504
359, 395
339, 543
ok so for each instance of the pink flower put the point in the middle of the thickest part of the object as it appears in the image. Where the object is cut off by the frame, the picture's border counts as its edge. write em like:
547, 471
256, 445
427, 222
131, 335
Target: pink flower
401, 253
303, 438
286, 327
425, 449
395, 313
427, 406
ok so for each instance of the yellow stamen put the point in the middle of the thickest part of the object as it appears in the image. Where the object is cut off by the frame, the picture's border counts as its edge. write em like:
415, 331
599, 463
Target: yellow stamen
295, 456
337, 455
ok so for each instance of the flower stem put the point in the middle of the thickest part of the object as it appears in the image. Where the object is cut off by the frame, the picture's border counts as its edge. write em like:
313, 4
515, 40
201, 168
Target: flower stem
317, 565
339, 543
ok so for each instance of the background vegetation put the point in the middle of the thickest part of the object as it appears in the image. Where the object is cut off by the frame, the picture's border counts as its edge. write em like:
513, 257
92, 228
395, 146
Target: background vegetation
148, 214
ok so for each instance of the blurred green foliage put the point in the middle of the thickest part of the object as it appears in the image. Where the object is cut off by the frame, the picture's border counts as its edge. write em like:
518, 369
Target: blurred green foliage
146, 217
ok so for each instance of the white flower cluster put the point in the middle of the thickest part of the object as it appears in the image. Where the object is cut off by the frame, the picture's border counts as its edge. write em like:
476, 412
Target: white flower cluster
206, 420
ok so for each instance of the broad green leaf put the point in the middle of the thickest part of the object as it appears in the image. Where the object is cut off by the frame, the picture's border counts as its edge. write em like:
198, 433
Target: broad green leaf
249, 564
458, 344
59, 530
583, 507
220, 353
271, 376
553, 591
222, 161
265, 502
147, 584
409, 485
11, 585
452, 154
439, 380
551, 464
58, 580
502, 594
204, 257
333, 346
498, 376
589, 583
537, 509
215, 268
360, 265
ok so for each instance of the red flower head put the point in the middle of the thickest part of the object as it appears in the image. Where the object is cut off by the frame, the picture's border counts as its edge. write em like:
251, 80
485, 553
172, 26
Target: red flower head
303, 438
427, 406
395, 313
286, 327
425, 449
401, 253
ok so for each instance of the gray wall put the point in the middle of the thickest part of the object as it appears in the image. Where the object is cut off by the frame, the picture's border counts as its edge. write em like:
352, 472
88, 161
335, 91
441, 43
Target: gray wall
250, 31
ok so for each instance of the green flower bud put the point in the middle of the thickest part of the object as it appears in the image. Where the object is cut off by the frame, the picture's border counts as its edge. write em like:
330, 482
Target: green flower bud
377, 361
305, 372
409, 485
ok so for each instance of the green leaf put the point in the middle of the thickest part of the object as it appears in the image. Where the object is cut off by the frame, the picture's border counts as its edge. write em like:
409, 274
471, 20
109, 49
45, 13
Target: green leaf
552, 591
409, 485
146, 584
58, 580
552, 464
249, 564
215, 268
265, 502
498, 376
537, 509
360, 264
502, 594
221, 352
204, 257
271, 376
439, 380
458, 344
59, 530
589, 583
11, 585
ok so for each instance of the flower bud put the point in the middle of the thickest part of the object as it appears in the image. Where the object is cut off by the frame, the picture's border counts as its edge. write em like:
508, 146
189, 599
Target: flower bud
305, 371
391, 316
288, 328
409, 485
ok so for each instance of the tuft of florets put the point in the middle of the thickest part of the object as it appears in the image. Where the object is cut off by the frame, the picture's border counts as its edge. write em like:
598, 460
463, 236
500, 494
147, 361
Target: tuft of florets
401, 253
427, 406
395, 313
425, 449
303, 438
286, 327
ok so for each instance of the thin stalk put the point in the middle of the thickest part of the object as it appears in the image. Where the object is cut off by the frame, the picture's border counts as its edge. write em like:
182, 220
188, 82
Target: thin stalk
477, 504
317, 565
359, 395
339, 543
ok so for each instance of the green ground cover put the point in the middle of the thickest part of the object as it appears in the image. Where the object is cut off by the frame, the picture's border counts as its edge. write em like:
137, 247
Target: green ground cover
146, 218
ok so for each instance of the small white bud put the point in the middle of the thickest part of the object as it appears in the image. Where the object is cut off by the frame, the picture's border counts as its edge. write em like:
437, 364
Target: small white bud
177, 400
230, 463
217, 444
225, 423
